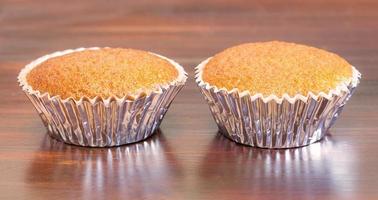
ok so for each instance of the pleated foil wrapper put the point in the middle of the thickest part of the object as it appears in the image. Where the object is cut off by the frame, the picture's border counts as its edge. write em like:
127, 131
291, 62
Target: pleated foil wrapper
98, 122
275, 122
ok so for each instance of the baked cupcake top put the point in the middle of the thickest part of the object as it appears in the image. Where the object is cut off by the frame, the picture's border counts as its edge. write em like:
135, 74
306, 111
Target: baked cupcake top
104, 72
276, 68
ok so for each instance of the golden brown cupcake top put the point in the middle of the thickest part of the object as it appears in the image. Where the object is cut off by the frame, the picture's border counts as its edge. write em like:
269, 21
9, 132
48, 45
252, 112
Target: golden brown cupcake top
276, 68
105, 72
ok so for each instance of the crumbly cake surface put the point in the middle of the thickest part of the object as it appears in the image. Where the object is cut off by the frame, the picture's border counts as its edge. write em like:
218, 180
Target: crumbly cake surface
276, 68
105, 72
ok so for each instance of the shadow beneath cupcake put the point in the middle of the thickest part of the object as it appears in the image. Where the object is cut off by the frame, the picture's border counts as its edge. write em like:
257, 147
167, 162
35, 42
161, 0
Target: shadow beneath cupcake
136, 170
233, 170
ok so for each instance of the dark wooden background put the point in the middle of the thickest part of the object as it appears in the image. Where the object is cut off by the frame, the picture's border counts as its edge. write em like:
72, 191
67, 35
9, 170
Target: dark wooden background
187, 159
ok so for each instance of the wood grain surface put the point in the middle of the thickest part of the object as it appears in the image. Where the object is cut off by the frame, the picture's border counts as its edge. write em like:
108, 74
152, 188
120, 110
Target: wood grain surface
187, 158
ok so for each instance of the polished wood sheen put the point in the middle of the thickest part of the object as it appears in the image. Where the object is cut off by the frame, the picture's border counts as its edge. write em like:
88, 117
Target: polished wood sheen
187, 158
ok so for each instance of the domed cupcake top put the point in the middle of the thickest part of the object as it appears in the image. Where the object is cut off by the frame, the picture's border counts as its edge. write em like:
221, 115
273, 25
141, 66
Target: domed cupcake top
102, 72
276, 68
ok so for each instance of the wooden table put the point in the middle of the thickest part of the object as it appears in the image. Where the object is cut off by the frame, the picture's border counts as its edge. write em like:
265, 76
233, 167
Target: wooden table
187, 158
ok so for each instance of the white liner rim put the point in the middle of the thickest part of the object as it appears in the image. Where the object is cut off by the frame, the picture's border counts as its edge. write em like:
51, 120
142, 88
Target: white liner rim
158, 89
342, 87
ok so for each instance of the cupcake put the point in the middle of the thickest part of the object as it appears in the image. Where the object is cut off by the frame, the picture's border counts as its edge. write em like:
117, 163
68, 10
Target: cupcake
276, 94
102, 96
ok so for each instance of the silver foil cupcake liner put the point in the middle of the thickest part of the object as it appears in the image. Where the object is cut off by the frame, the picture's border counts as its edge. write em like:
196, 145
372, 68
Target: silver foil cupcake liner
99, 122
275, 122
